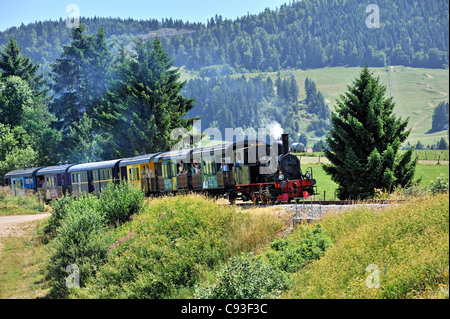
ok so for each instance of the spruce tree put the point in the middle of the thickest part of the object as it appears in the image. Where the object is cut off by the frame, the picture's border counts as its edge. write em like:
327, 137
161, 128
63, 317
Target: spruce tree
79, 82
364, 141
144, 103
13, 63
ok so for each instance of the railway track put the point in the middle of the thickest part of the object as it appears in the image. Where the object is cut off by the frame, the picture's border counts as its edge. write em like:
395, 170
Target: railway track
314, 210
308, 202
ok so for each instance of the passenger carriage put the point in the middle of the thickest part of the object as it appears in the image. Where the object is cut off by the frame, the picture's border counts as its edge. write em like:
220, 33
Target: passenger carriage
139, 171
92, 177
23, 181
212, 176
53, 181
173, 171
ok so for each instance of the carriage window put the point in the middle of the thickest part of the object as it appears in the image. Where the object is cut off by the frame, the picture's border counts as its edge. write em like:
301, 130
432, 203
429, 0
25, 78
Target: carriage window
173, 170
168, 170
210, 166
134, 173
51, 182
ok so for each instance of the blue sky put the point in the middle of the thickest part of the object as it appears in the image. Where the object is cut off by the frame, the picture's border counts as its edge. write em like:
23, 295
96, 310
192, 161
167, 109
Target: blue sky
15, 12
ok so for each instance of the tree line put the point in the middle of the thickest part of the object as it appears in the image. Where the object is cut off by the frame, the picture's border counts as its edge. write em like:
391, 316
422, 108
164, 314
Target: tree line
239, 102
95, 105
302, 34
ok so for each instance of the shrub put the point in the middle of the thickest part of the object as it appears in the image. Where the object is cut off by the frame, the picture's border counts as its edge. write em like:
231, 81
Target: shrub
440, 184
59, 211
79, 227
245, 277
120, 201
292, 254
81, 241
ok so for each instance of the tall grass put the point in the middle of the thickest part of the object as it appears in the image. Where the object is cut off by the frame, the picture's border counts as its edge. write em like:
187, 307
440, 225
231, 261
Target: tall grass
19, 205
165, 250
408, 244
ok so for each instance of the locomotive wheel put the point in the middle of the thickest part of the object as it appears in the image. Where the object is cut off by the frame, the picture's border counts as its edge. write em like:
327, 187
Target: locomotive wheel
264, 199
254, 198
232, 198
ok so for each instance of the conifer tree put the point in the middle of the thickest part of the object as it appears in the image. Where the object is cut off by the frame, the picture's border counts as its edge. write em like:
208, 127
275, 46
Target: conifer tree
364, 141
144, 103
79, 77
13, 63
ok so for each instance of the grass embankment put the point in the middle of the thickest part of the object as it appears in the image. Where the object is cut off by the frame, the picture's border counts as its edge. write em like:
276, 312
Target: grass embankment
406, 246
180, 247
158, 250
176, 243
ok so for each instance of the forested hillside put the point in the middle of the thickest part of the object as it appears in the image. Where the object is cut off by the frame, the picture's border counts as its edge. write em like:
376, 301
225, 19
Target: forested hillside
303, 34
96, 93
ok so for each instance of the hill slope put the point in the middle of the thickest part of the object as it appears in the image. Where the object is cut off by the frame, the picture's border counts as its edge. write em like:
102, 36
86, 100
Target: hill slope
416, 92
406, 247
303, 34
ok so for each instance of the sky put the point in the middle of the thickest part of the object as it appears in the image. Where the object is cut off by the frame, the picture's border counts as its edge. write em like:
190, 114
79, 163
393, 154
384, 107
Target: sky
16, 12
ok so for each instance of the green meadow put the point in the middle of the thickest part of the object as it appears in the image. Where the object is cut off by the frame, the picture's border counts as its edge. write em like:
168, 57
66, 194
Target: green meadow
416, 91
427, 173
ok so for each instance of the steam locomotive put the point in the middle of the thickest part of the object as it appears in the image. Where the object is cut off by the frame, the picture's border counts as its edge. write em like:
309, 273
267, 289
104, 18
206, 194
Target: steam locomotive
250, 170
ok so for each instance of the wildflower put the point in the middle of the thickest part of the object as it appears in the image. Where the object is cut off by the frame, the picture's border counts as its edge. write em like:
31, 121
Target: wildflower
113, 246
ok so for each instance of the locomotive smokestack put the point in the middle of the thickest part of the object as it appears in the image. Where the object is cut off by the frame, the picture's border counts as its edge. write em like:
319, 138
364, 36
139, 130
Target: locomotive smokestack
285, 138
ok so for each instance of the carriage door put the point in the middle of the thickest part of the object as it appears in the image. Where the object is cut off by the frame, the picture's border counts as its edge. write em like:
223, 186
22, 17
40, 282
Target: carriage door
123, 173
79, 184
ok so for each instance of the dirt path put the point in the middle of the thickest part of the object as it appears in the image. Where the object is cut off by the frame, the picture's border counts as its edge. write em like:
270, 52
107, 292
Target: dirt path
18, 225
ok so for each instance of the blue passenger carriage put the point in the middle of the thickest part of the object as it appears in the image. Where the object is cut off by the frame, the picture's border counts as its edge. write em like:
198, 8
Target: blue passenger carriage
23, 181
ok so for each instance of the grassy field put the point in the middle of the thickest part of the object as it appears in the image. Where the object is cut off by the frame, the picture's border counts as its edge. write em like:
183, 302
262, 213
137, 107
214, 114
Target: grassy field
22, 263
415, 91
428, 173
176, 242
395, 253
19, 205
